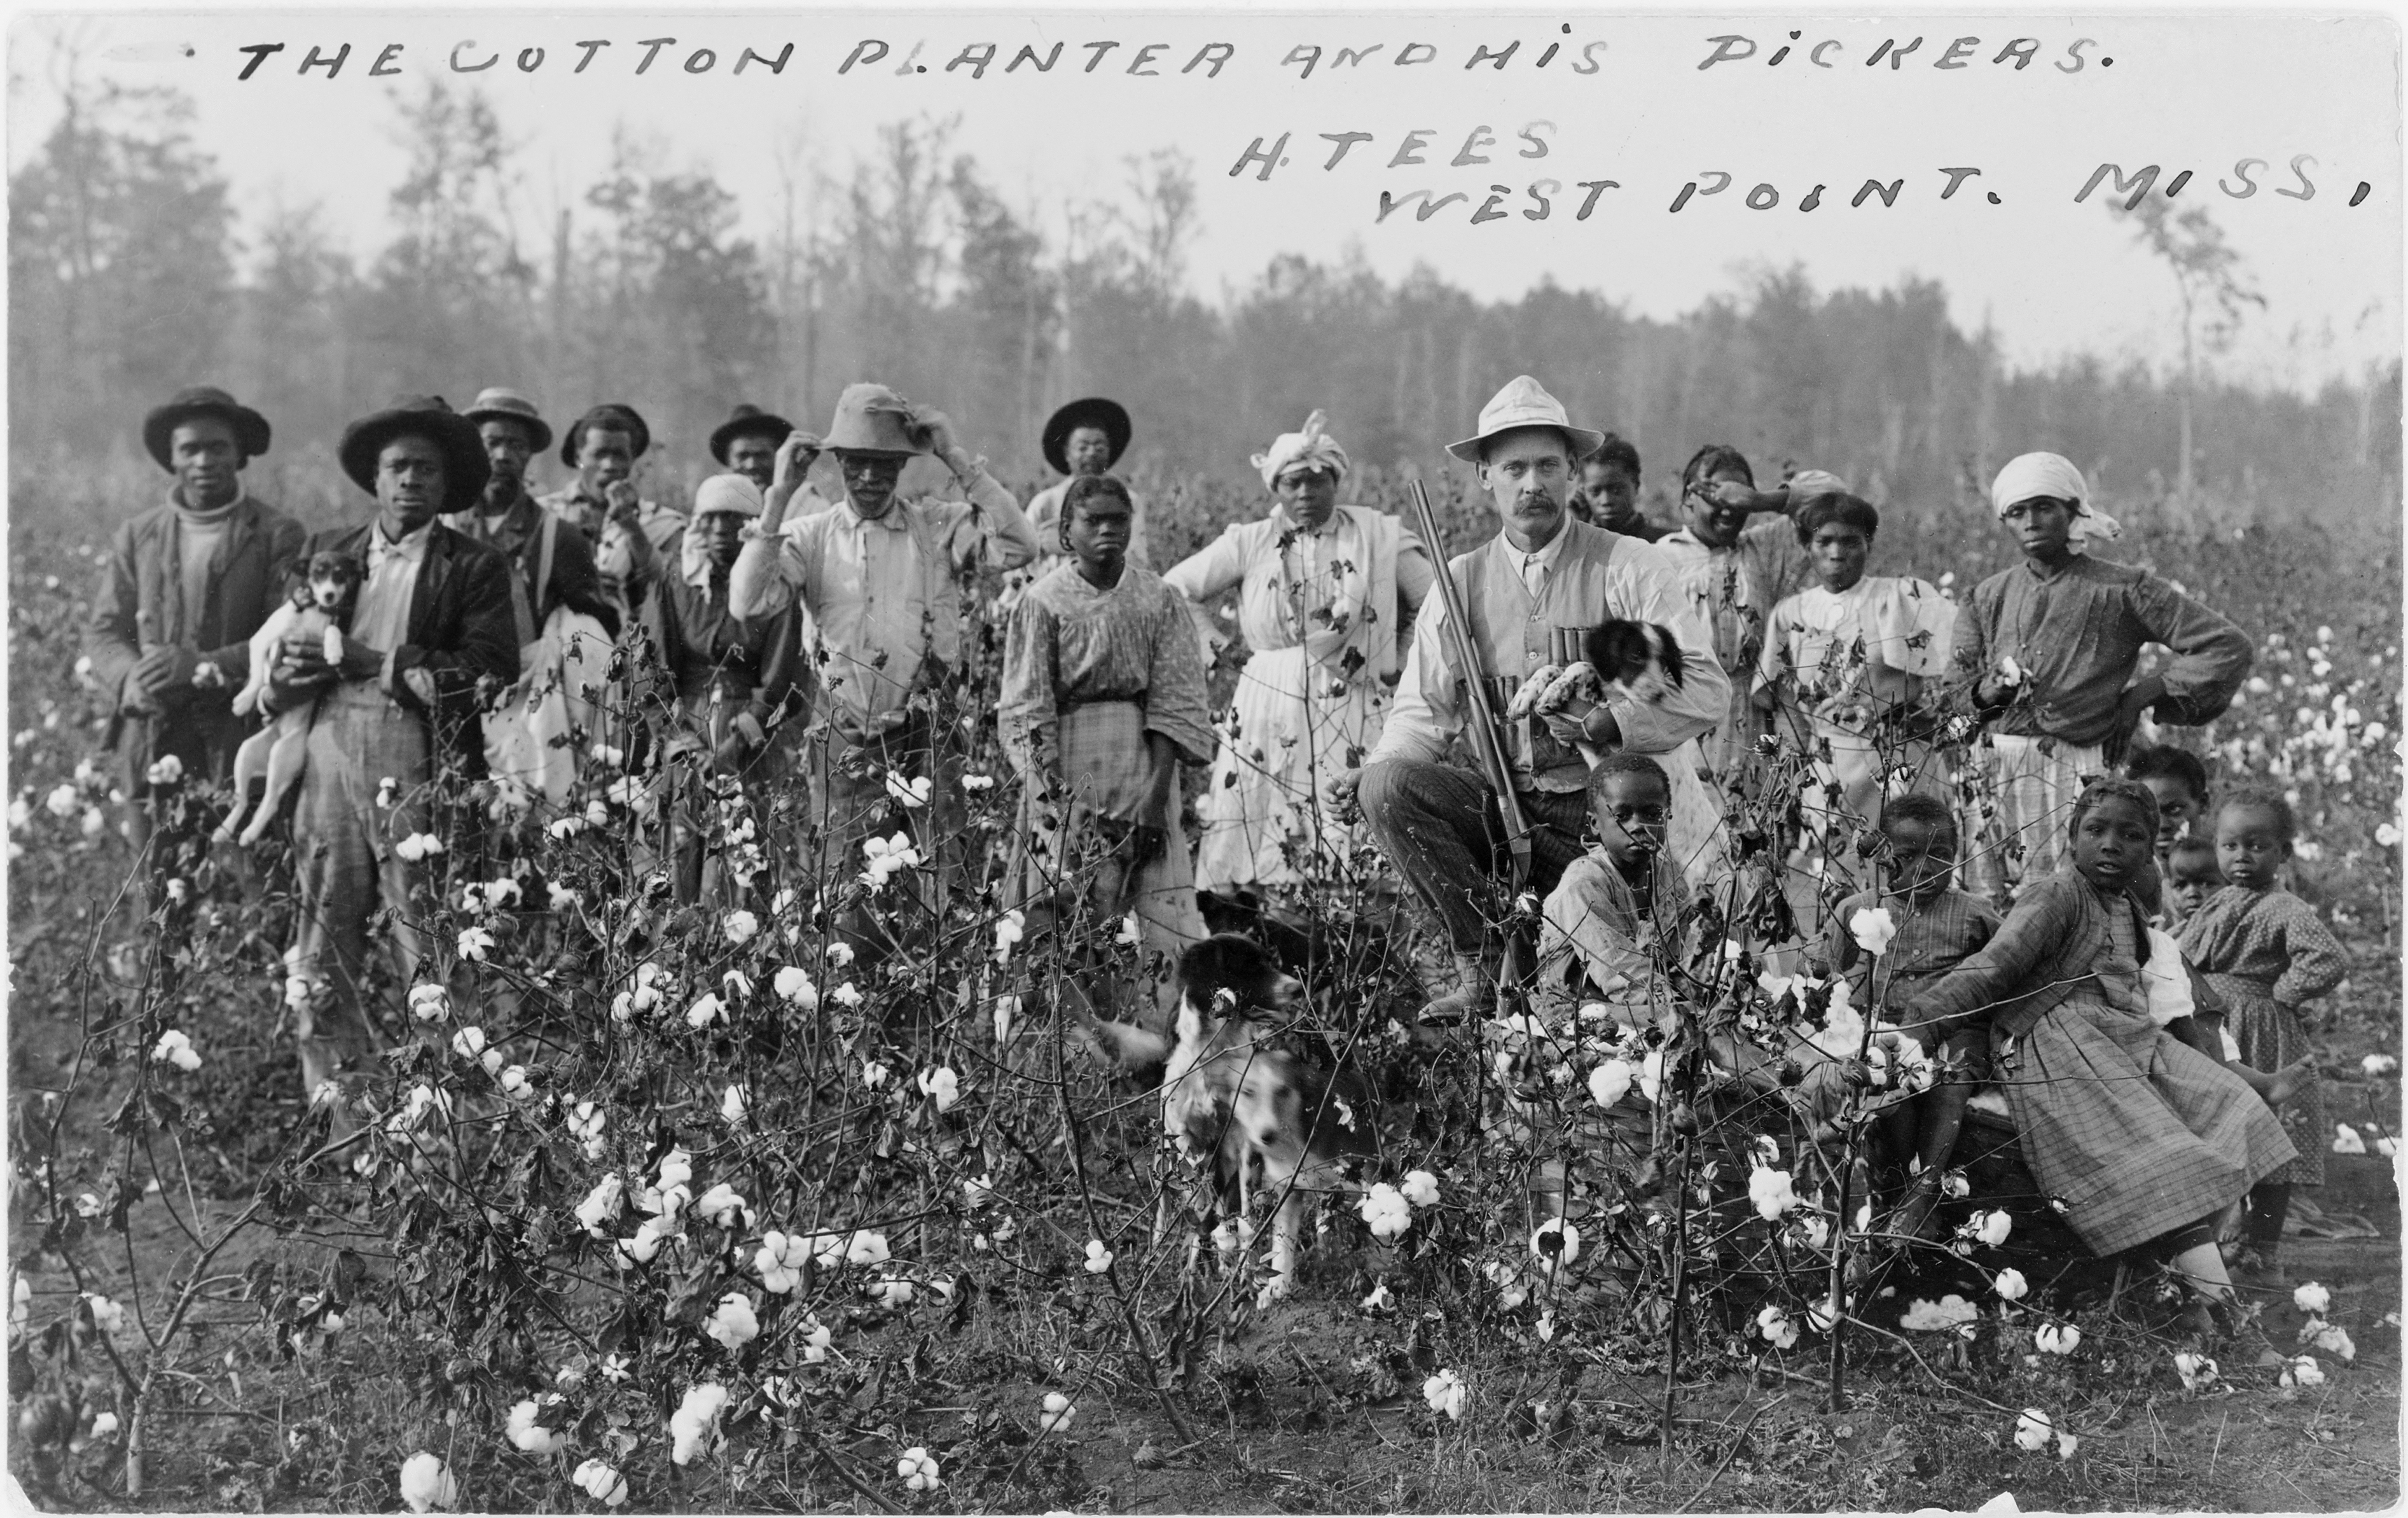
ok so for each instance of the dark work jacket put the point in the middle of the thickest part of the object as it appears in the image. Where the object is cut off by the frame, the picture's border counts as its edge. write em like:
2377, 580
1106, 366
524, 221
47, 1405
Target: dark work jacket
462, 631
142, 603
575, 582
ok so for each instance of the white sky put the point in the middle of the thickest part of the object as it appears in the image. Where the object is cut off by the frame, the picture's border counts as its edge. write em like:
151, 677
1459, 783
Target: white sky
2185, 92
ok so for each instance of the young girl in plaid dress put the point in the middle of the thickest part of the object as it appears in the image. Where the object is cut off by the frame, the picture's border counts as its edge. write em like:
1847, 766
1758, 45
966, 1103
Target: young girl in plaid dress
2140, 1137
2266, 952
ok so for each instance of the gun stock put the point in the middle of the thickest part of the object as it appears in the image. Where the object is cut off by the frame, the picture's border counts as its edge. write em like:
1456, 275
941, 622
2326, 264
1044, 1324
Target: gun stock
1487, 739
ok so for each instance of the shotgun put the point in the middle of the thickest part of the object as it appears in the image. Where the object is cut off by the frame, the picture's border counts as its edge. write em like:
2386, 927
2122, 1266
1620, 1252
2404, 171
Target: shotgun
1480, 725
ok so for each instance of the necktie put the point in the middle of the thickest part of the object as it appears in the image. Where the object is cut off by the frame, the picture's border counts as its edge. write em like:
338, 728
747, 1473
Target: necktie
1534, 574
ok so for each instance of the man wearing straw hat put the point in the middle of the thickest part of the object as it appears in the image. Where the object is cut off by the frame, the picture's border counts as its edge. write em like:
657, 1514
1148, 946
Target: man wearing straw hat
432, 625
1545, 574
187, 583
880, 576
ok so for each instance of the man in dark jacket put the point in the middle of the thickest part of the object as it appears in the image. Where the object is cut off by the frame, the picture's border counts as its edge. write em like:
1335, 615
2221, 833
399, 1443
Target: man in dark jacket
553, 557
187, 583
432, 631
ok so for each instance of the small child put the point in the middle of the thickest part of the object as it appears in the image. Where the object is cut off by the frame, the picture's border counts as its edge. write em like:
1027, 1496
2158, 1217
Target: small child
2178, 780
1938, 927
2191, 879
1605, 920
2266, 952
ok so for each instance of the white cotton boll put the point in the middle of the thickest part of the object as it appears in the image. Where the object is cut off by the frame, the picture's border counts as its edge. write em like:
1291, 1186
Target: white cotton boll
795, 988
723, 1204
93, 823
2010, 1284
176, 1050
1771, 1192
733, 1322
2033, 1430
864, 1248
426, 1482
2333, 1339
1557, 1244
846, 995
1610, 1082
63, 802
873, 1074
1386, 1211
1651, 1075
1777, 1327
816, 1341
1009, 930
1446, 1393
429, 1003
1991, 1227
1420, 1188
893, 1293
514, 1082
106, 1316
1950, 1313
941, 1086
740, 926
2312, 1297
531, 1436
1381, 1299
1006, 1014
918, 1469
1099, 1259
706, 1009
1130, 932
780, 1261
694, 1427
2303, 1371
912, 793
733, 1106
2379, 1064
639, 1248
1055, 1416
2196, 1370
168, 771
474, 943
2057, 1338
468, 1042
103, 1424
2347, 1140
1873, 929
602, 1482
563, 898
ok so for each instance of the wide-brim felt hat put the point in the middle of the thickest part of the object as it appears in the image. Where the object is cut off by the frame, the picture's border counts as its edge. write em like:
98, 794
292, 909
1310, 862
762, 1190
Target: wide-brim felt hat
1108, 417
159, 428
873, 419
497, 404
1525, 402
465, 469
611, 416
748, 419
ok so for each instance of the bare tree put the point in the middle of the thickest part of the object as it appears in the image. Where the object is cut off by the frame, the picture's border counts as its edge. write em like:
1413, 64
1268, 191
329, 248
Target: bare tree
2214, 287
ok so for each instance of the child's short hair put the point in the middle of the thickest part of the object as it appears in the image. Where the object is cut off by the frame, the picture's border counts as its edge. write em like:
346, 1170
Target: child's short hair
2167, 762
2194, 850
1617, 449
1929, 811
2108, 787
1821, 510
1713, 460
1626, 763
2270, 800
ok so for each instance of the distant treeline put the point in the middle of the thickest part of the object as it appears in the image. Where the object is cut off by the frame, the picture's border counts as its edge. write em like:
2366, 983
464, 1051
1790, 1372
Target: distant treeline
132, 271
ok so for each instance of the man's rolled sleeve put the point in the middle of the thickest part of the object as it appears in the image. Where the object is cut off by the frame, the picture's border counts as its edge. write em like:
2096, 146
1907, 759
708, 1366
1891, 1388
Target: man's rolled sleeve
1426, 714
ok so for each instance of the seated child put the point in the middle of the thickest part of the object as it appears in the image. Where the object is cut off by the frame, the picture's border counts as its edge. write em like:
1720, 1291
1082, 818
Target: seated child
1936, 927
1609, 933
2142, 1137
2266, 952
1844, 663
2191, 879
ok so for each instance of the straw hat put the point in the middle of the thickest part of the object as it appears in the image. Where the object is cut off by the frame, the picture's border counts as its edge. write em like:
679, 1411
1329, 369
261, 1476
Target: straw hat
495, 403
1525, 402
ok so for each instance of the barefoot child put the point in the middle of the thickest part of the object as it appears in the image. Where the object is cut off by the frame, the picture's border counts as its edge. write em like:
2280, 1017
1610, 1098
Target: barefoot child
2142, 1137
1938, 927
2266, 952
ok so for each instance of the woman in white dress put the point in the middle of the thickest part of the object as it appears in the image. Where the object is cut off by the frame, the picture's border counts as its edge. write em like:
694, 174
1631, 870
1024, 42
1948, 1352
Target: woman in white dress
1323, 590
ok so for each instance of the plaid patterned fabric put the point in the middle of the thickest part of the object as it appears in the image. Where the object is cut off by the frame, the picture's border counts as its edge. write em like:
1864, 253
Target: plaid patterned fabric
2265, 952
2136, 1133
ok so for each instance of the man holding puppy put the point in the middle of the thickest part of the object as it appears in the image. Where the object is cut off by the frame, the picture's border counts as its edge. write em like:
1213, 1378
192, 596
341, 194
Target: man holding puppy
1443, 826
433, 623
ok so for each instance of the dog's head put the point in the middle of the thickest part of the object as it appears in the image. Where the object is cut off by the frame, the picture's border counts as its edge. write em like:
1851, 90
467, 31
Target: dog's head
333, 582
1639, 659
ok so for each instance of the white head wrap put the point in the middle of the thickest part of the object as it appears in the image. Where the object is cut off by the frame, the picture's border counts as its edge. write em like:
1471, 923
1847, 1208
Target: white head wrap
734, 494
2053, 475
1313, 445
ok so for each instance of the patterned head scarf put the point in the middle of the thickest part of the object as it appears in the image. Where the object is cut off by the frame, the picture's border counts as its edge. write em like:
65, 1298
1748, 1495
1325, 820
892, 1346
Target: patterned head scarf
2053, 475
1313, 445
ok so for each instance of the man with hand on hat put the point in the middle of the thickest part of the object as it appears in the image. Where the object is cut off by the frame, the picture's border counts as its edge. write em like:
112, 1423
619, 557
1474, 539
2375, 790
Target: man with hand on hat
555, 559
1083, 440
881, 577
730, 680
2047, 655
1544, 573
185, 585
432, 623
628, 531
